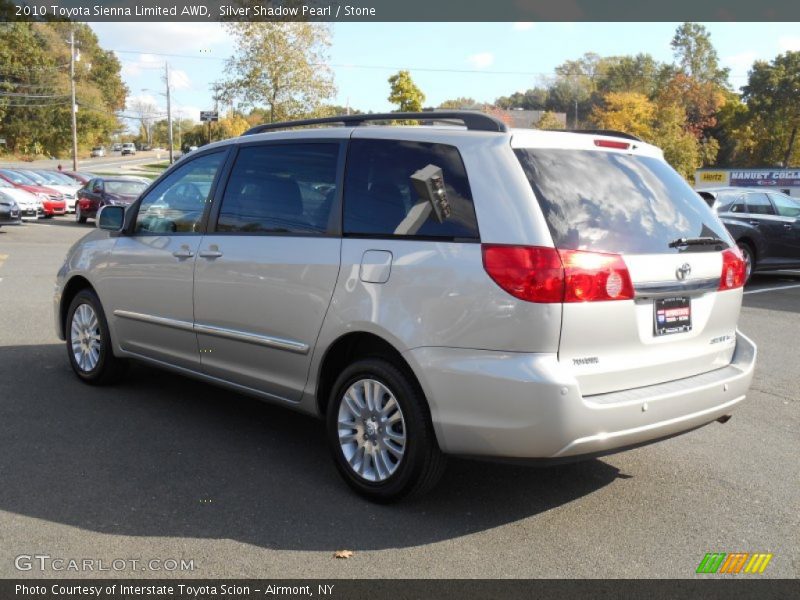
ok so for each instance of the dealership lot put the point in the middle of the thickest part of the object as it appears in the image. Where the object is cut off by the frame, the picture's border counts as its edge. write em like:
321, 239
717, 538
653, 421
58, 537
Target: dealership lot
163, 468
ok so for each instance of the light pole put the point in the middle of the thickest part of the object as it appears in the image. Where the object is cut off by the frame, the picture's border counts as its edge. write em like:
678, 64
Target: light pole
73, 106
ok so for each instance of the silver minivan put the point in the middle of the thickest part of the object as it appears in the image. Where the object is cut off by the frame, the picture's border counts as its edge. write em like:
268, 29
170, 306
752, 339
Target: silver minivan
429, 290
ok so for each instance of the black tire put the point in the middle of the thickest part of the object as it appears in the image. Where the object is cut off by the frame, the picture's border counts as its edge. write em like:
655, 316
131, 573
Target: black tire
749, 259
109, 369
422, 462
78, 217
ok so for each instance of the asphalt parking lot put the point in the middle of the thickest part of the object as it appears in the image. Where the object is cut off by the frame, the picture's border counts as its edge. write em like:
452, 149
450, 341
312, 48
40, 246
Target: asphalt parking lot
162, 467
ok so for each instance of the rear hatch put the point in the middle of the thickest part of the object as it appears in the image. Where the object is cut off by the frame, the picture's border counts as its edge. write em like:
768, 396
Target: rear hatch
674, 272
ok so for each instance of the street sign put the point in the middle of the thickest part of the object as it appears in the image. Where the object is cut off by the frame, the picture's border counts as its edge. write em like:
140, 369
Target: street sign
209, 115
2, 141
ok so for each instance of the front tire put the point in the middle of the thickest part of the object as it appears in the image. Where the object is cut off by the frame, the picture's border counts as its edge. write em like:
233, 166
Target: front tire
89, 342
79, 218
380, 433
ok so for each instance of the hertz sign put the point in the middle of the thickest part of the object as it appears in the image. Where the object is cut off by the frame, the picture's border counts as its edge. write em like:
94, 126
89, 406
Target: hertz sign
713, 176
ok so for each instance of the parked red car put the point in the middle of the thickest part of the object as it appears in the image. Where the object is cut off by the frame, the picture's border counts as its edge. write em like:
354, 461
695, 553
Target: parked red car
53, 203
102, 191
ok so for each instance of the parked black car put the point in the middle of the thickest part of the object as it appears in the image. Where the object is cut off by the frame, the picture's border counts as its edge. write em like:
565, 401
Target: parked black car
9, 212
765, 225
101, 191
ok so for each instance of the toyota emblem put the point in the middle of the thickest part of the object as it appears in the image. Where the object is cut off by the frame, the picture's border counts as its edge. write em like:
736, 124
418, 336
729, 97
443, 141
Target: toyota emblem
683, 271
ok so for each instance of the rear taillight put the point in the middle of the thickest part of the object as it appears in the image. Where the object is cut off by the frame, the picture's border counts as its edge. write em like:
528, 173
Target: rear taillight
612, 144
733, 270
526, 272
592, 276
538, 274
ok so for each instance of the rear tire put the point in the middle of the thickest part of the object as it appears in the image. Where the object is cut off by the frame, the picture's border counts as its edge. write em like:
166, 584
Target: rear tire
89, 342
380, 432
78, 217
749, 259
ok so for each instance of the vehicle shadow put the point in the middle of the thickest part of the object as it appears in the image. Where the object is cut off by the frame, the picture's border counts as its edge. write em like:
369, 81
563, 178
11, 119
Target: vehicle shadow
161, 455
65, 221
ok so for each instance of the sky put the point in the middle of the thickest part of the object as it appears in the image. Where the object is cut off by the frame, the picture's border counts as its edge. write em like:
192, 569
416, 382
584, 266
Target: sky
447, 60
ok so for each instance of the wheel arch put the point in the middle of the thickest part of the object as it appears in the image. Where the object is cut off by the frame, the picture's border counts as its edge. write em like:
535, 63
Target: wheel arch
75, 284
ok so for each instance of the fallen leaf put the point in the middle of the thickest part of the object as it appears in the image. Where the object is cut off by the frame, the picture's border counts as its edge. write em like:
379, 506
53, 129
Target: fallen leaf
343, 554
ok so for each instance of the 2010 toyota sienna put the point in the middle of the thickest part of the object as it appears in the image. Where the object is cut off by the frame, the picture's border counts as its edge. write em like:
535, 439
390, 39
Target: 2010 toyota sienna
431, 290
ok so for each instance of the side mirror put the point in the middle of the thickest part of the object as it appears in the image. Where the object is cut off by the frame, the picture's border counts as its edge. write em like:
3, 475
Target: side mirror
111, 218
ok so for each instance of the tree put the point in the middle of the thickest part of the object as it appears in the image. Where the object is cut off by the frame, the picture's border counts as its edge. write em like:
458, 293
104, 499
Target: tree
459, 103
630, 112
231, 125
146, 114
282, 66
405, 93
641, 73
696, 55
548, 120
537, 98
772, 95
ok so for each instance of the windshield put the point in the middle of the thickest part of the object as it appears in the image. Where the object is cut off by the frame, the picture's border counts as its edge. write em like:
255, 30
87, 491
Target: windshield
18, 178
617, 203
35, 177
125, 188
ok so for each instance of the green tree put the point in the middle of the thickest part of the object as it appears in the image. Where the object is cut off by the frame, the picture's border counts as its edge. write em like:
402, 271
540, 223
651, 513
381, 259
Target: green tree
282, 66
772, 95
696, 56
641, 74
405, 93
458, 103
548, 120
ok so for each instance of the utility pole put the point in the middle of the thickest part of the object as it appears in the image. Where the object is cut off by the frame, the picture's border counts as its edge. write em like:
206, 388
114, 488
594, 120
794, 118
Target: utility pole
169, 112
73, 106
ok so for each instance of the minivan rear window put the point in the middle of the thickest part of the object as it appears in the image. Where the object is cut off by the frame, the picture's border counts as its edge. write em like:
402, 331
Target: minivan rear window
617, 203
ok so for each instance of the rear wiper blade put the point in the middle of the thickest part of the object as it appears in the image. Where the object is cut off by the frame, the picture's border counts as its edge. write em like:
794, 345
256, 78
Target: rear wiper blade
697, 241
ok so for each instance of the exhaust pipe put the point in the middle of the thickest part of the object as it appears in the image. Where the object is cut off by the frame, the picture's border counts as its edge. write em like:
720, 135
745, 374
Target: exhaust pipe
724, 419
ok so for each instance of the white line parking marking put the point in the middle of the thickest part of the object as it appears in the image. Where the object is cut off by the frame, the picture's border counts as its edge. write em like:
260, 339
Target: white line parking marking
773, 289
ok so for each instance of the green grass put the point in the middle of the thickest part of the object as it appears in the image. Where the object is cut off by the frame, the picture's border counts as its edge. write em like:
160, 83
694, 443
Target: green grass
156, 166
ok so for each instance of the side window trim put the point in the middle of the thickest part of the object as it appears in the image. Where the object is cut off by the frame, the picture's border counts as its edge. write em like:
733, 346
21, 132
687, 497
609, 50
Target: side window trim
132, 214
336, 217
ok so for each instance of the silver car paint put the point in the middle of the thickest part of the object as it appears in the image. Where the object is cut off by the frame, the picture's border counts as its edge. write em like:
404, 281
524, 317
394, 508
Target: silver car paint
497, 382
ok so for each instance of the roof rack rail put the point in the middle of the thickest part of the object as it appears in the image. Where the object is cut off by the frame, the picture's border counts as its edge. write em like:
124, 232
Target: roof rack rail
472, 120
608, 132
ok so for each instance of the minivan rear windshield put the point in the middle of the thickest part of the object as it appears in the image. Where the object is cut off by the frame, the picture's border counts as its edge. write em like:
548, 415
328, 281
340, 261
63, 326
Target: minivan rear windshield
617, 203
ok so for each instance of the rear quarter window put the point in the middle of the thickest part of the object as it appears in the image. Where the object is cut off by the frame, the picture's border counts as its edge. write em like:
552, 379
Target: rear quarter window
614, 202
378, 191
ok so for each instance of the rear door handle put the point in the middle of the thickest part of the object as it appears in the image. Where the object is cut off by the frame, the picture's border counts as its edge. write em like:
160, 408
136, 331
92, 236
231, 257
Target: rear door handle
212, 252
184, 252
754, 222
787, 226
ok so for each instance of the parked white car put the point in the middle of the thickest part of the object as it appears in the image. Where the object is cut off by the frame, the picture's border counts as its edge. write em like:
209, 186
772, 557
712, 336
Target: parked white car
30, 207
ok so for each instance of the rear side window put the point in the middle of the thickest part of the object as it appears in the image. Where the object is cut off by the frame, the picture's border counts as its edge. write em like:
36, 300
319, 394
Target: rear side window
617, 203
280, 188
378, 191
759, 204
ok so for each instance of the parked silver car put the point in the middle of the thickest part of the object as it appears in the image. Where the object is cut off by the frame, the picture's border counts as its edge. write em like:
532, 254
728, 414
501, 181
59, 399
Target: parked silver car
429, 290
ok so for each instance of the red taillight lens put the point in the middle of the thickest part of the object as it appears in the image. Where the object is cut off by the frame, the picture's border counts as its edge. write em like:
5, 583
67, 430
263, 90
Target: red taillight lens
733, 269
526, 272
612, 144
539, 274
592, 276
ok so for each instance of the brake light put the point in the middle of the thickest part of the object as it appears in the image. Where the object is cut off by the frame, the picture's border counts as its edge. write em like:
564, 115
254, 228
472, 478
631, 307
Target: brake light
733, 270
545, 275
612, 144
593, 276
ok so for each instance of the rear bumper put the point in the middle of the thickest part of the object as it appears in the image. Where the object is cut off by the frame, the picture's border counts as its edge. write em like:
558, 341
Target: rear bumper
515, 405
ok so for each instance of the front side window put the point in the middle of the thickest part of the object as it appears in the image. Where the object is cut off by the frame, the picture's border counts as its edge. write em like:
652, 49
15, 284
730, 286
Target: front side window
759, 204
786, 206
379, 193
280, 188
177, 203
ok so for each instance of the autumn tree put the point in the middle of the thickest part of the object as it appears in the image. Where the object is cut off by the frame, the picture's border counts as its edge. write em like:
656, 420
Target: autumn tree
630, 112
279, 65
405, 93
548, 120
